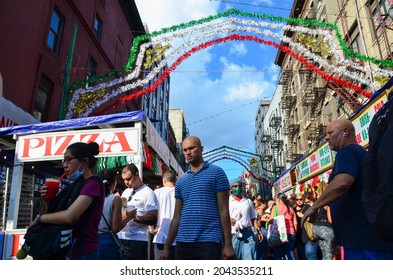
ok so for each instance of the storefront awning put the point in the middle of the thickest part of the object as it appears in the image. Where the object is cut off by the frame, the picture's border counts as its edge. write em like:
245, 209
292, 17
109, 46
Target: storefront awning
74, 123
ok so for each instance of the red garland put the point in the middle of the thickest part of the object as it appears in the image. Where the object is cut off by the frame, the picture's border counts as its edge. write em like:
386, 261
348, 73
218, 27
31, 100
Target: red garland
236, 37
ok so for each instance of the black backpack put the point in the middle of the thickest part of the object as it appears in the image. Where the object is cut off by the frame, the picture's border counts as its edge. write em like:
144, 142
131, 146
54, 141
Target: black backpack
49, 241
377, 172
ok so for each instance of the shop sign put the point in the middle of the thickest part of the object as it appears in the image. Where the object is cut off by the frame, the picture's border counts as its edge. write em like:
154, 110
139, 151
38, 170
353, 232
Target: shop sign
12, 115
283, 183
45, 146
315, 163
362, 122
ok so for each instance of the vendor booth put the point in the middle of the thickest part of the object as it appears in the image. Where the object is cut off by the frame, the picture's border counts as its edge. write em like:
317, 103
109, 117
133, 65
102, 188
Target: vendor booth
123, 138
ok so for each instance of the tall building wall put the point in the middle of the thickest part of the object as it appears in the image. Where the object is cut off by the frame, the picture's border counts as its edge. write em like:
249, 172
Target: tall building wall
31, 64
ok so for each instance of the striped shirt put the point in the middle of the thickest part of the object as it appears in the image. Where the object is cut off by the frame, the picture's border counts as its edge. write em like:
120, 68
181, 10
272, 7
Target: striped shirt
200, 217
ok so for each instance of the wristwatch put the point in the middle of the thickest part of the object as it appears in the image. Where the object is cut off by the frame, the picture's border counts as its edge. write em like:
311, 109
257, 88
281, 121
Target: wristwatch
38, 218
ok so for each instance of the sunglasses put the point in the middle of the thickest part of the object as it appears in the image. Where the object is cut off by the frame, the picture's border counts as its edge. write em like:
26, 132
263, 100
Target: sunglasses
298, 199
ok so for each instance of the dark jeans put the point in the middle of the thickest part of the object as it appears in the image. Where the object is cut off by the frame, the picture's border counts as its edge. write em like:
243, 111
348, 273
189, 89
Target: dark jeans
107, 247
262, 247
158, 248
286, 250
198, 251
138, 249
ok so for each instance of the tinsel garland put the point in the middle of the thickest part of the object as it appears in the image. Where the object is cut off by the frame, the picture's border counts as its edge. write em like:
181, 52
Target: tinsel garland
238, 156
142, 52
245, 167
236, 37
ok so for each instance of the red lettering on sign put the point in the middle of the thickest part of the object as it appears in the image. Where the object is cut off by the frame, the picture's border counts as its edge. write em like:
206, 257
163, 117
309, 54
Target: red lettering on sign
7, 122
48, 146
90, 138
378, 106
29, 143
66, 142
118, 138
314, 167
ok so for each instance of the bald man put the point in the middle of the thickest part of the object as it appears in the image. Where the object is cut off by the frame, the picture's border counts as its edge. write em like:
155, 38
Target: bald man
351, 227
201, 220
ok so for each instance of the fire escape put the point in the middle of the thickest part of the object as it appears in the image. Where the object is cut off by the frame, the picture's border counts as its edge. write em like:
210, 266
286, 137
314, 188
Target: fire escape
276, 143
288, 101
312, 98
267, 156
348, 96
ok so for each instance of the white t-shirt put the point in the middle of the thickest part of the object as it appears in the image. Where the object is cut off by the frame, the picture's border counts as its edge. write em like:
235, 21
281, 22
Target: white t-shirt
143, 200
243, 211
166, 206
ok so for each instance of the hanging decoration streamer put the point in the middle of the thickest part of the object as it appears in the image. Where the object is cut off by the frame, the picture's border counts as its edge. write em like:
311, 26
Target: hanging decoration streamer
250, 161
314, 46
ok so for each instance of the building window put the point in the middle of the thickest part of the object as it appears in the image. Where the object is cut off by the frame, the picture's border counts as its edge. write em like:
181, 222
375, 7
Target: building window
380, 17
91, 69
97, 27
42, 99
55, 31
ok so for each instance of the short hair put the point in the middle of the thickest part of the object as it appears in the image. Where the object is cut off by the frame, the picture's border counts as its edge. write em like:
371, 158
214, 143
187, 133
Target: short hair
130, 167
170, 176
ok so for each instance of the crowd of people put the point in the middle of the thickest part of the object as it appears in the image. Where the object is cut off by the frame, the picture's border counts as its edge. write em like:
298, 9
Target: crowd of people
203, 215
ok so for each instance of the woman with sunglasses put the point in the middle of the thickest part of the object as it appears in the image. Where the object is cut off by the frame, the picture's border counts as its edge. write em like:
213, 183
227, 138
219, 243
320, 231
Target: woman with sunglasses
298, 207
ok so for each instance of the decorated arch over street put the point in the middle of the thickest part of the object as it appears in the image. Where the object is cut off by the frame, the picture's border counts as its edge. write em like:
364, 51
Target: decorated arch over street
253, 163
153, 57
314, 46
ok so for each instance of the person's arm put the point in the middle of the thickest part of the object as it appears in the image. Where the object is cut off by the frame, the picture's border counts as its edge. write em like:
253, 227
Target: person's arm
257, 225
272, 214
294, 218
223, 208
337, 187
117, 222
173, 228
150, 218
76, 209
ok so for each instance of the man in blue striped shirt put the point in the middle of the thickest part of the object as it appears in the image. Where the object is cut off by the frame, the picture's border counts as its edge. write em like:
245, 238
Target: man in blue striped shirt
200, 223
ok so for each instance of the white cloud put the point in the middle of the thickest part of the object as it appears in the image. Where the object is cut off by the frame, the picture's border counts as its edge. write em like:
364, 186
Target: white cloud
246, 91
158, 14
238, 49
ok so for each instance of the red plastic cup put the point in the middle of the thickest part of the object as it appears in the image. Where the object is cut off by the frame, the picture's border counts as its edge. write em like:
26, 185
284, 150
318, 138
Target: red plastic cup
52, 187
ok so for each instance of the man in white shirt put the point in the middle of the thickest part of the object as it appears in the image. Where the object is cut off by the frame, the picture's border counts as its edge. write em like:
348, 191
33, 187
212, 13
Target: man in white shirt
166, 205
245, 230
140, 196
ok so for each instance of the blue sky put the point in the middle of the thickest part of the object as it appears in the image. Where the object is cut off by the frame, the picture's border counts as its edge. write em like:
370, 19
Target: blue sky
219, 88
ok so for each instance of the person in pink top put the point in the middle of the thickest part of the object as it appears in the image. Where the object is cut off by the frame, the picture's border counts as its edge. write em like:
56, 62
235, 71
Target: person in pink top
286, 251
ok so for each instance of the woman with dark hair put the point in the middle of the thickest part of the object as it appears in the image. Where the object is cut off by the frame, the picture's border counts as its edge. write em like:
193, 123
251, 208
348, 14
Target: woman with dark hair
85, 212
323, 230
299, 209
310, 245
111, 220
285, 251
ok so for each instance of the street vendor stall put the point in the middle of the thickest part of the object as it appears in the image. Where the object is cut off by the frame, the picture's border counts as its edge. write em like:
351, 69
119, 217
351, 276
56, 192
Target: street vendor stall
123, 137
